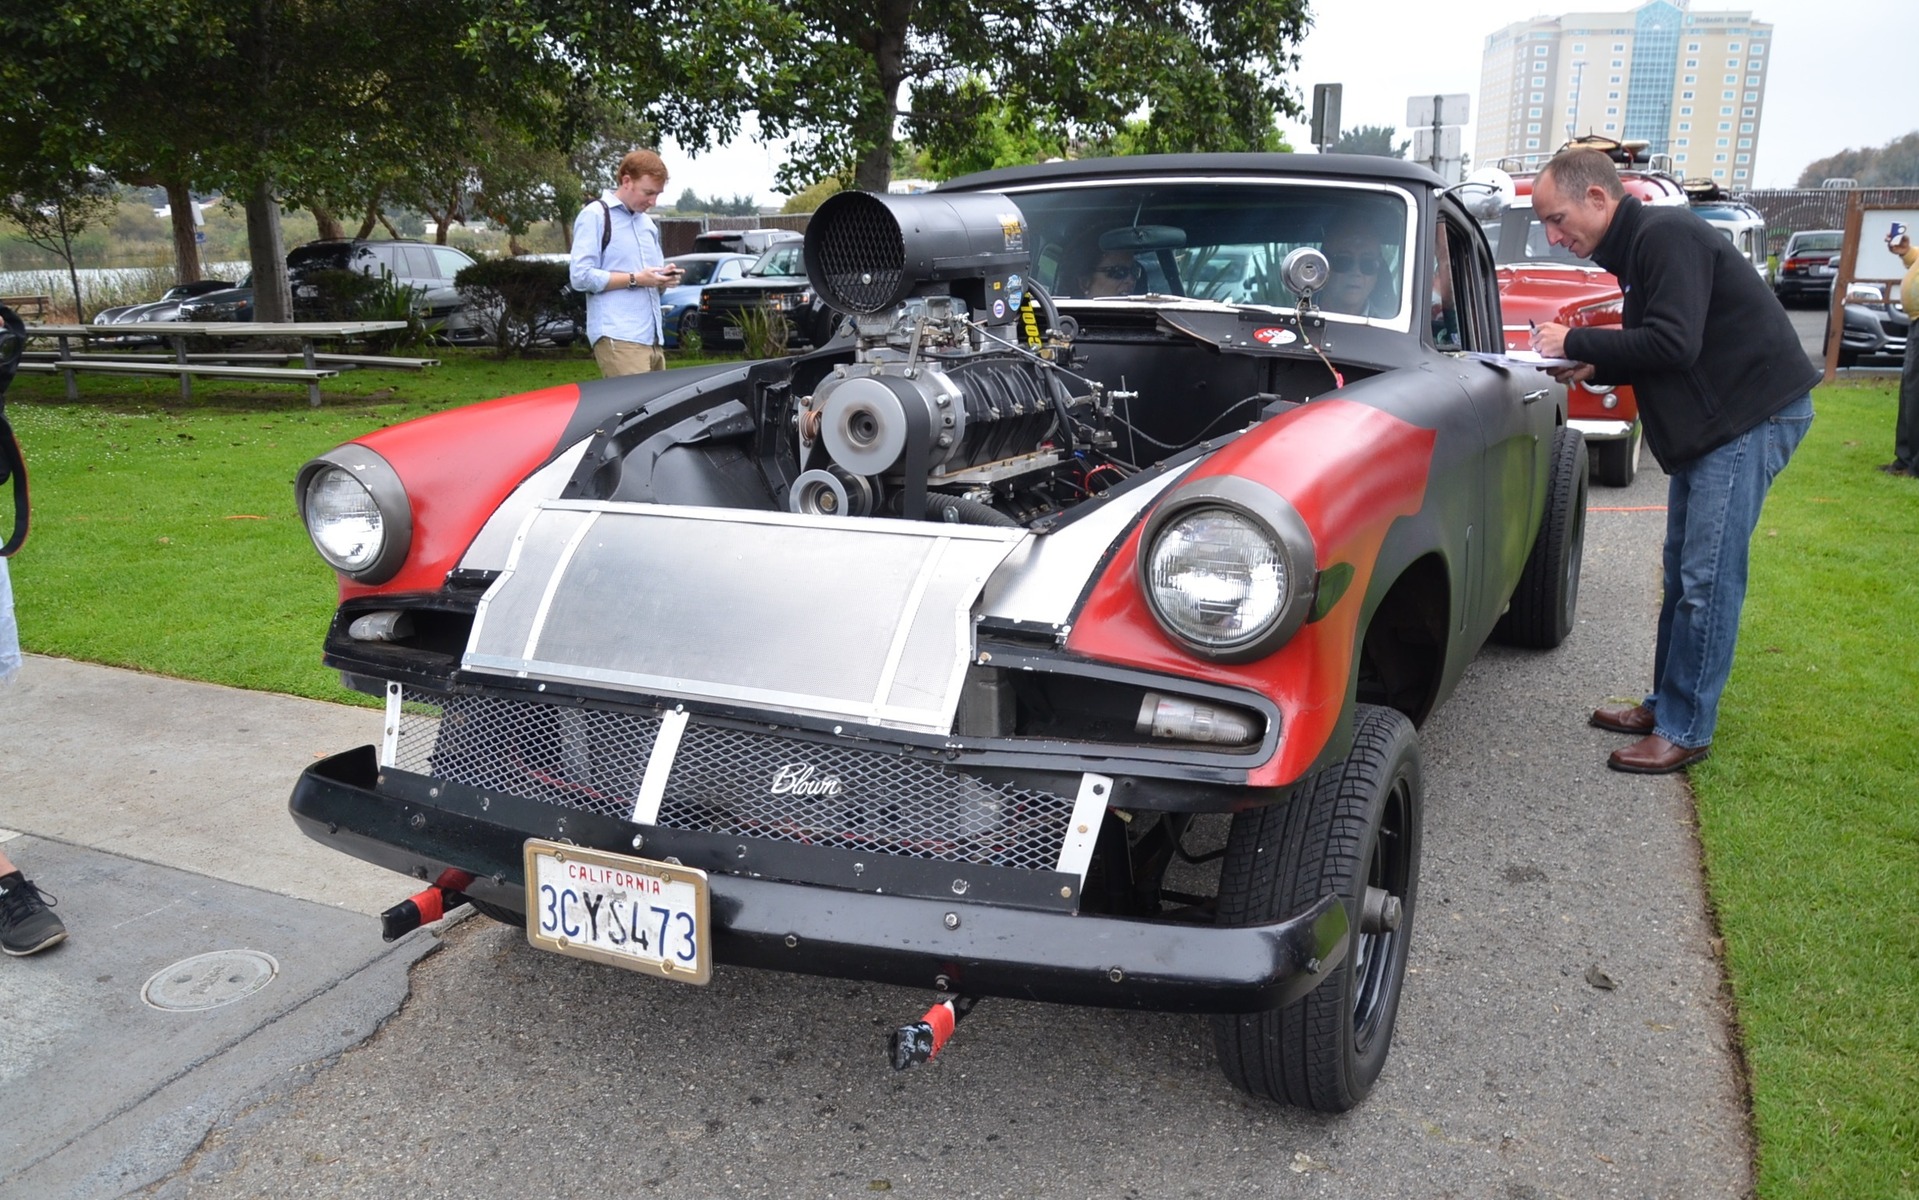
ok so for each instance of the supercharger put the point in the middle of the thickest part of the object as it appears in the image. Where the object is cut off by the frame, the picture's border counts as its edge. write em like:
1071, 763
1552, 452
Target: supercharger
947, 412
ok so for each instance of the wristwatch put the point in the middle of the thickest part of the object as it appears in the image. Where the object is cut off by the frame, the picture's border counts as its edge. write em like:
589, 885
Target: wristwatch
632, 280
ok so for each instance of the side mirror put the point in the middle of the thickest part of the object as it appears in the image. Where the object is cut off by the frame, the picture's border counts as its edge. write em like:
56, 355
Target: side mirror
1487, 193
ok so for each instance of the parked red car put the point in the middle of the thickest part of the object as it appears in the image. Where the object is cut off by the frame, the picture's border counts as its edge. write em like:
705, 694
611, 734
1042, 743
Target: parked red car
1540, 282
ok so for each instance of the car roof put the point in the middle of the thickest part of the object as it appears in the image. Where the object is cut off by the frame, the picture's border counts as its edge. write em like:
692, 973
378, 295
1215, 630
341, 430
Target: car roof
1344, 166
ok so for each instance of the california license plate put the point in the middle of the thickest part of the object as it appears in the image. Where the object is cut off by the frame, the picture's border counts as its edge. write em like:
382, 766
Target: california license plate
613, 908
731, 333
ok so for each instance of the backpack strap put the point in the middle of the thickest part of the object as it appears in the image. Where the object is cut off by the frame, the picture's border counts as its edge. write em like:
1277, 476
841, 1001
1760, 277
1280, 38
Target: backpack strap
13, 343
606, 224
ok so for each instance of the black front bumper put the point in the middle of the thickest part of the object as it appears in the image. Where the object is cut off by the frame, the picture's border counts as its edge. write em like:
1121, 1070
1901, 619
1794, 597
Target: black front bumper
421, 828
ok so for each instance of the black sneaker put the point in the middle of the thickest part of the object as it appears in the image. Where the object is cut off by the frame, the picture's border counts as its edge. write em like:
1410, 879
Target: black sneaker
27, 924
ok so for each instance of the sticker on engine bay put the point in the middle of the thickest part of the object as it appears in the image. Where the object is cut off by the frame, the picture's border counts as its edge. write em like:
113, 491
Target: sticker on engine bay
999, 309
1274, 335
1012, 227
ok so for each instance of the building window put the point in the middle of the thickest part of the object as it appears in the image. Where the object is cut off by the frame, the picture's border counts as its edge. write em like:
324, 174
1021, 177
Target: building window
1750, 96
1539, 81
1740, 173
1533, 128
1612, 79
1732, 64
1692, 79
1618, 46
1732, 79
1539, 52
1723, 142
1612, 112
1612, 95
1683, 142
1686, 111
1725, 126
1685, 95
1535, 112
1691, 63
1538, 96
1752, 81
1618, 63
1718, 158
1579, 47
1758, 48
1745, 126
1611, 125
1732, 47
1748, 112
1685, 126
1725, 95
1692, 47
1742, 158
1532, 143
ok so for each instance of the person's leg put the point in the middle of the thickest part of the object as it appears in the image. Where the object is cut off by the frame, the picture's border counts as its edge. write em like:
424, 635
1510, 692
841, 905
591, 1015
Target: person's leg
27, 924
616, 357
1905, 430
1726, 490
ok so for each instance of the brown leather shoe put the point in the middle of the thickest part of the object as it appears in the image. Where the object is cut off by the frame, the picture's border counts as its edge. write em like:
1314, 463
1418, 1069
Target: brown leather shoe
1654, 755
1624, 718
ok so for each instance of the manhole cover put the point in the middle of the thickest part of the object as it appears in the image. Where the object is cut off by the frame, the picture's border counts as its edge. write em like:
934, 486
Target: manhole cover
210, 980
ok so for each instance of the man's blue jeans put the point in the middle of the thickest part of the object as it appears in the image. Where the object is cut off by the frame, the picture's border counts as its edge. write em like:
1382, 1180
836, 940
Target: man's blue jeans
1712, 508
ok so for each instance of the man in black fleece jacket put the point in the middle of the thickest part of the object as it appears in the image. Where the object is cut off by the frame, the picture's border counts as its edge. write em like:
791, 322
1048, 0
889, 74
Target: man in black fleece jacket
1725, 394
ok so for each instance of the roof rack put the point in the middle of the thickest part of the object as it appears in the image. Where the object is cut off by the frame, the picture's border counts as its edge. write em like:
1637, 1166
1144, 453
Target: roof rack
1635, 155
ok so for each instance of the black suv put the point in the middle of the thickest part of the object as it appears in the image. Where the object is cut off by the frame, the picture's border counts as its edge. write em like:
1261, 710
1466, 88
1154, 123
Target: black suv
421, 265
776, 282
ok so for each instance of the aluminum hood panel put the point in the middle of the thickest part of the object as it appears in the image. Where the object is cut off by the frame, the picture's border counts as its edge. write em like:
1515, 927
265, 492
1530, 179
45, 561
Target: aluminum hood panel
867, 620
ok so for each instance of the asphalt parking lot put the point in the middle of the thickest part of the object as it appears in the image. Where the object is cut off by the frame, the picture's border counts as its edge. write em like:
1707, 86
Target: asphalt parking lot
1562, 1034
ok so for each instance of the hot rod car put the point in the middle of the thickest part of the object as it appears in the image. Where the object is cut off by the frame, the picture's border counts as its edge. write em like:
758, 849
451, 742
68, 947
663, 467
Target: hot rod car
919, 658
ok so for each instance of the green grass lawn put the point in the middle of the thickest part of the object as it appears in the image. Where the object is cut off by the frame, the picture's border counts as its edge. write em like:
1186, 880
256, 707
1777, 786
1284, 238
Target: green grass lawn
165, 539
1808, 819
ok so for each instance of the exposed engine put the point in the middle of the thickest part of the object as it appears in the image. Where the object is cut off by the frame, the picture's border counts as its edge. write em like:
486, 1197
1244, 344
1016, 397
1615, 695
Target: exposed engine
961, 405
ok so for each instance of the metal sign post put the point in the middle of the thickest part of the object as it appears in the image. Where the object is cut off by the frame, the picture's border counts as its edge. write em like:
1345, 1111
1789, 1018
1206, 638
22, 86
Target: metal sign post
1326, 114
1435, 122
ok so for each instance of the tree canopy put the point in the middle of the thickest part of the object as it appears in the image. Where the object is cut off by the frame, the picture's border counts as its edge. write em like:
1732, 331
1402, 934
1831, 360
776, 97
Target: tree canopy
1371, 139
1895, 164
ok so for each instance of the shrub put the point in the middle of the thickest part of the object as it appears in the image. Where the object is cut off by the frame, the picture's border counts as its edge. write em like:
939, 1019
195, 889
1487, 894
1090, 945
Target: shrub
515, 301
764, 331
387, 299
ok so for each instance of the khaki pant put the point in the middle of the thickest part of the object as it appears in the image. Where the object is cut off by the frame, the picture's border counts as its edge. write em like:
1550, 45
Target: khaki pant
627, 358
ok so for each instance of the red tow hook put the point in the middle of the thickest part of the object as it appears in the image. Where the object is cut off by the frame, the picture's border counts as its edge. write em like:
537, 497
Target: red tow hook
911, 1045
423, 908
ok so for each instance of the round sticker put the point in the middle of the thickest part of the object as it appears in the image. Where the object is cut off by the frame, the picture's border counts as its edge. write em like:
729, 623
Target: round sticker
1274, 335
999, 309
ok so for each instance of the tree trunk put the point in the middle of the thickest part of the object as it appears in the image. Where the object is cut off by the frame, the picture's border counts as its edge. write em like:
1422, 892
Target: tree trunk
67, 235
272, 301
186, 246
373, 218
887, 43
329, 225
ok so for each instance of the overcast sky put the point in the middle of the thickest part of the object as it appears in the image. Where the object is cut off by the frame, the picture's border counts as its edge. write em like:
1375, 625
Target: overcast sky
1844, 73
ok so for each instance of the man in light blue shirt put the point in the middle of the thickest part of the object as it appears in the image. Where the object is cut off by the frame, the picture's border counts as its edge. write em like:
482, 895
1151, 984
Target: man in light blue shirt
617, 265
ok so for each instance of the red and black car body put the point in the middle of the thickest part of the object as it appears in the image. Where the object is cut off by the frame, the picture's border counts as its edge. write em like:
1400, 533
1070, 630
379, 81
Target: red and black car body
1540, 282
935, 656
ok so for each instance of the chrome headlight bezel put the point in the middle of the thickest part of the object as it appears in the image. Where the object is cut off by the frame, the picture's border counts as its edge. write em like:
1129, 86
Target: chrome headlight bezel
382, 484
1275, 520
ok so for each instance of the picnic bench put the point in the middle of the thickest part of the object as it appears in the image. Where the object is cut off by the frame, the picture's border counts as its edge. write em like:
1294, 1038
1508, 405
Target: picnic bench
315, 365
20, 305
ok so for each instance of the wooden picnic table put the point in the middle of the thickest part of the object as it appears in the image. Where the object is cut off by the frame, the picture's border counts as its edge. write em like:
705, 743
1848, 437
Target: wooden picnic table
180, 333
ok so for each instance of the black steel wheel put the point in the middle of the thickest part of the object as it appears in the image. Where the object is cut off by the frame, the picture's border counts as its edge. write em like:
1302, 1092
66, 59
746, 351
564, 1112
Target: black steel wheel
689, 326
1353, 830
1540, 614
1616, 463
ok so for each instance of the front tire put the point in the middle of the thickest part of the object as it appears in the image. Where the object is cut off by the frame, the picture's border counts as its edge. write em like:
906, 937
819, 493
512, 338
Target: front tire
1351, 830
1540, 614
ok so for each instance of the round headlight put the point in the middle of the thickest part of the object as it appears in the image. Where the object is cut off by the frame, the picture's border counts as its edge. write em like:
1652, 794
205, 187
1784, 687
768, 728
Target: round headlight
357, 513
343, 520
1217, 578
1227, 568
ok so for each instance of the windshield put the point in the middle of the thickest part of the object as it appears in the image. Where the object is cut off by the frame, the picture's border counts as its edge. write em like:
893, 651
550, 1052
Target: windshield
1220, 240
781, 260
1517, 236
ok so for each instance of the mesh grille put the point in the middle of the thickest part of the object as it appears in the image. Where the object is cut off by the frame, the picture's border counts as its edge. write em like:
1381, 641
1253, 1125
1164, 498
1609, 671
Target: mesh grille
723, 781
859, 255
